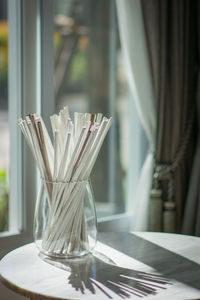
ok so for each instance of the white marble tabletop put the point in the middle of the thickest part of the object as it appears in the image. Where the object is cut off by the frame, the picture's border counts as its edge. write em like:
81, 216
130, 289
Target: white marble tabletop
124, 265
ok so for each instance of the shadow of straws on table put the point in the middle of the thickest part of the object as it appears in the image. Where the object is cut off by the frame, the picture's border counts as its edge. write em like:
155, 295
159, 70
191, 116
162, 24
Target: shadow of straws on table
166, 262
91, 271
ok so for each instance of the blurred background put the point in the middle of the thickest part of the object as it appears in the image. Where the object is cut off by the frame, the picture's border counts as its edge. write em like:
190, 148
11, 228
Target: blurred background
88, 77
4, 131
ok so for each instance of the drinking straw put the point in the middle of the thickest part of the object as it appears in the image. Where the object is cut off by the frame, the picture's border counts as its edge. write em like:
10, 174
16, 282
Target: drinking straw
49, 146
44, 151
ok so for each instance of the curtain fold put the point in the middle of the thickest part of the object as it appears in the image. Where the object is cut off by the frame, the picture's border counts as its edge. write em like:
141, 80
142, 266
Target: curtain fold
134, 46
171, 30
191, 219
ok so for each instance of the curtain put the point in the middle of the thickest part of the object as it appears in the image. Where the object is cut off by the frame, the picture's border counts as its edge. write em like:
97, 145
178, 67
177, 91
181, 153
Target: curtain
171, 31
191, 220
134, 46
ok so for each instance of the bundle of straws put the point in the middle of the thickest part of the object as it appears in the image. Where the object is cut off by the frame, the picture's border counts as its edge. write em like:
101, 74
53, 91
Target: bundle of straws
65, 168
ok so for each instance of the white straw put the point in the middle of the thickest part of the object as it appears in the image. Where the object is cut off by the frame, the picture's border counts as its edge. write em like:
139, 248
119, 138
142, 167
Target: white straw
56, 155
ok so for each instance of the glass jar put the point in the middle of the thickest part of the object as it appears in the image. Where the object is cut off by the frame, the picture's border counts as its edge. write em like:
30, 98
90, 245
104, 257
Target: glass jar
65, 223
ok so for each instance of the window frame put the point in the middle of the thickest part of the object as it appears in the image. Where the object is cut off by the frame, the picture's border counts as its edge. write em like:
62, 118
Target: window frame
24, 67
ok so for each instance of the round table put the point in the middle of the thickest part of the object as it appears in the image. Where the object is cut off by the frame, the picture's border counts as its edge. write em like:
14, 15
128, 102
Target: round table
134, 265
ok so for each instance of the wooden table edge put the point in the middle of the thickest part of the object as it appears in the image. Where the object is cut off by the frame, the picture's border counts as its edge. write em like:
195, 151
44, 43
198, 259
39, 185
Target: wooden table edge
26, 293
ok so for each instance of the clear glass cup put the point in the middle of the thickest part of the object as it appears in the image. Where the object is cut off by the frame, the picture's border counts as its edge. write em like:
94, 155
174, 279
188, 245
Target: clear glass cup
65, 223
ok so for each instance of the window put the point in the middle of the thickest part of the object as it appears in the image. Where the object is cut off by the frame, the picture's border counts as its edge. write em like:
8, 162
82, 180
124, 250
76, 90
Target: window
89, 77
4, 128
21, 100
10, 170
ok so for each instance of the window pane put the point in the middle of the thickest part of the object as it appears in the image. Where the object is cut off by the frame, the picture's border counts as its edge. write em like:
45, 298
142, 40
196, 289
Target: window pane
4, 132
89, 77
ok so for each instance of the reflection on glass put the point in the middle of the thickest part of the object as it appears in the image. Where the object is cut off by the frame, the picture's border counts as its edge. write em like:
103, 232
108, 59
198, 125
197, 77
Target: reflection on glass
4, 133
89, 77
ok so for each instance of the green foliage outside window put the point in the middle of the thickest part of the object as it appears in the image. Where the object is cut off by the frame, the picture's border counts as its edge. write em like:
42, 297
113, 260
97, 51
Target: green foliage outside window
3, 53
3, 201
